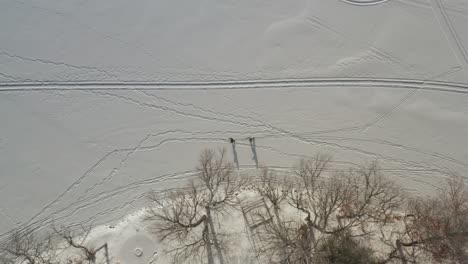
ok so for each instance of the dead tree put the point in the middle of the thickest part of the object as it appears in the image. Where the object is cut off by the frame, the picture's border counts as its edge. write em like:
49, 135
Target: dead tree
187, 217
26, 247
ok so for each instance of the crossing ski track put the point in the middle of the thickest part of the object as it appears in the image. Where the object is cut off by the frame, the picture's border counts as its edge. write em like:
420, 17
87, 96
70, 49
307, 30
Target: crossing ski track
260, 128
409, 95
450, 33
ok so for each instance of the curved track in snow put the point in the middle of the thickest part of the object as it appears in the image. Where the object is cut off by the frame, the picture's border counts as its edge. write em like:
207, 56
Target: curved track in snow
364, 2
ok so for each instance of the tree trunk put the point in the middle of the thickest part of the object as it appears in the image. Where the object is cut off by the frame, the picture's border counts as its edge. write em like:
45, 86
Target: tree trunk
215, 239
400, 251
311, 240
206, 236
284, 253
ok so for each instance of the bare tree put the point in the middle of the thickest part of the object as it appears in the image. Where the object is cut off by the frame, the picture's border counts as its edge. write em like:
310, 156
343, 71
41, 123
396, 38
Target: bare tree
344, 248
277, 233
26, 247
187, 217
318, 198
288, 240
272, 189
180, 217
285, 241
371, 197
76, 238
437, 226
332, 204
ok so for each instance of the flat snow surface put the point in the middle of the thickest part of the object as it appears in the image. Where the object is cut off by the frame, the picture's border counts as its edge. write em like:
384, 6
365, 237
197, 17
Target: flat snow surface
102, 101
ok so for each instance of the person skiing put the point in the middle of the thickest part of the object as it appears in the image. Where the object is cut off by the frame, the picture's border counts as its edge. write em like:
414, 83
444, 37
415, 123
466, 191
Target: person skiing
232, 140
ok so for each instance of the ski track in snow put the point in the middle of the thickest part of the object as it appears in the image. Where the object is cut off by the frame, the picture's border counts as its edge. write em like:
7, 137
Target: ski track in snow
364, 2
87, 68
284, 84
132, 45
262, 129
373, 52
450, 33
427, 5
14, 78
404, 99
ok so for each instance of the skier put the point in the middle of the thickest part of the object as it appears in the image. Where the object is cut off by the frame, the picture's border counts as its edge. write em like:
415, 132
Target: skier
232, 140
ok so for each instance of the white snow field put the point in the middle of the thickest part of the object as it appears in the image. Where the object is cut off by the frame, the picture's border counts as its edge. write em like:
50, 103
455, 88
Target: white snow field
102, 101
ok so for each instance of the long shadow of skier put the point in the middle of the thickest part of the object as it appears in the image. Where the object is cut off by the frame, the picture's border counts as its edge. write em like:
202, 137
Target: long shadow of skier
234, 152
254, 150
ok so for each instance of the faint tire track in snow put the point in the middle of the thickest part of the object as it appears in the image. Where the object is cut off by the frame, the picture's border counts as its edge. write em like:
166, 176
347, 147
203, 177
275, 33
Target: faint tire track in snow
88, 68
226, 115
175, 111
384, 143
386, 113
371, 50
277, 130
82, 178
134, 46
229, 116
451, 33
404, 99
14, 78
427, 5
100, 197
7, 216
11, 77
417, 150
364, 127
81, 203
130, 151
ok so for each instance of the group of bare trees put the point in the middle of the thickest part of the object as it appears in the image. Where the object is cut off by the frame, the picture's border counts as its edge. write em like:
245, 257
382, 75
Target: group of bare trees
28, 248
328, 206
32, 247
187, 216
311, 214
436, 226
309, 211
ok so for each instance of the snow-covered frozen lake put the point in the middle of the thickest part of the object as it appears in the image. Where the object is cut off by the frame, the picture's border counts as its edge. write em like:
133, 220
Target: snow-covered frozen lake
102, 101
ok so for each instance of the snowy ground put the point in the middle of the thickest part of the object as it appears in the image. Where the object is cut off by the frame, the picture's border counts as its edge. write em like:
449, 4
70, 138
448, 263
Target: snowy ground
102, 101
